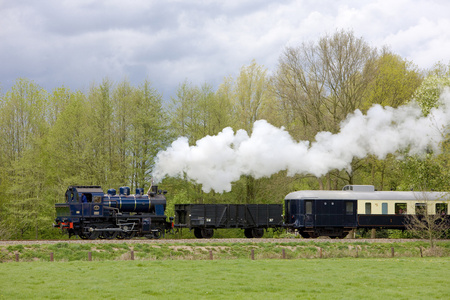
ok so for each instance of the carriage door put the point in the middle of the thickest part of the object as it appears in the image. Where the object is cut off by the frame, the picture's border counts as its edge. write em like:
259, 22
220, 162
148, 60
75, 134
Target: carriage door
309, 216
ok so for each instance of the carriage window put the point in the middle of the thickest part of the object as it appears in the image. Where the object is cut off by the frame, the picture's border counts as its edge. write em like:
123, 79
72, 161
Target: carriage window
308, 207
441, 208
349, 208
421, 208
400, 208
368, 208
97, 199
384, 208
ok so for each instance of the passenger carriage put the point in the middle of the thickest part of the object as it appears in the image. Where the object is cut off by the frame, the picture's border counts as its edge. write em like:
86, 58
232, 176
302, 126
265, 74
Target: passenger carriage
336, 213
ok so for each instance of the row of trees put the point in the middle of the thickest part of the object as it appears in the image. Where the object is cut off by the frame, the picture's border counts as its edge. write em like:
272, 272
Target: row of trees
107, 136
110, 134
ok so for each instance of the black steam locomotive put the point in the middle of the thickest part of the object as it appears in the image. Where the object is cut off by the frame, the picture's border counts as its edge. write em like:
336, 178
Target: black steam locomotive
90, 214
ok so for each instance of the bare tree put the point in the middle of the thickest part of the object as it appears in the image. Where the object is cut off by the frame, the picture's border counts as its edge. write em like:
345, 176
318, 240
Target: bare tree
323, 82
429, 220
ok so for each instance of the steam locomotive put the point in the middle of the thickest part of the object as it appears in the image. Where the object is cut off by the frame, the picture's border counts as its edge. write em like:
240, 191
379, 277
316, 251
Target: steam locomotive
90, 214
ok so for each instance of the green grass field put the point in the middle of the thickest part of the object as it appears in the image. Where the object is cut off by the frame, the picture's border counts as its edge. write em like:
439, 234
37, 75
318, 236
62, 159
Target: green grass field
341, 278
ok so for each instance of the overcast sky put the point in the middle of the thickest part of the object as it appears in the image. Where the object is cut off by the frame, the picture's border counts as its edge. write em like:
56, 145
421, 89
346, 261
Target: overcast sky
77, 42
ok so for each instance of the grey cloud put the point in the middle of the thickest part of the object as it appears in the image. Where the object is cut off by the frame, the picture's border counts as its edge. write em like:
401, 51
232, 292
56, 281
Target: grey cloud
76, 42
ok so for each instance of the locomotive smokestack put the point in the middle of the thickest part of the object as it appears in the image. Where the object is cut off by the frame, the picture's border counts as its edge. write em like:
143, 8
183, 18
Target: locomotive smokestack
150, 188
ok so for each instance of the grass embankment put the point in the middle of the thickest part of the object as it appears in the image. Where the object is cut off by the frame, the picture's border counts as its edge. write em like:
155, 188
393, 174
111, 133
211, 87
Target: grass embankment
200, 251
346, 278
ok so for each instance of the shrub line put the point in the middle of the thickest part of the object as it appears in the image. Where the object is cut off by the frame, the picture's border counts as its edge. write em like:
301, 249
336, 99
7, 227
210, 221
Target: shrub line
214, 251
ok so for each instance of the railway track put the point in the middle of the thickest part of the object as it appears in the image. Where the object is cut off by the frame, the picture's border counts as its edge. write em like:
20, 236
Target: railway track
205, 241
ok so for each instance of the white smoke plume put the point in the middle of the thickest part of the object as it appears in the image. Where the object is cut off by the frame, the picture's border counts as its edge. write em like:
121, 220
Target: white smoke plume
217, 161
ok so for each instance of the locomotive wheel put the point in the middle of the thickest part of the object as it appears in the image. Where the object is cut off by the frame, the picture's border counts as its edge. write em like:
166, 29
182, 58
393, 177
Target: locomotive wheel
91, 235
129, 235
82, 236
157, 234
125, 235
198, 233
313, 235
343, 235
304, 235
257, 233
110, 235
102, 234
207, 233
248, 233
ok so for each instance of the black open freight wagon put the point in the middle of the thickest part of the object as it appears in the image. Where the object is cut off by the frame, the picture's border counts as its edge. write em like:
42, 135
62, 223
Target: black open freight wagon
252, 218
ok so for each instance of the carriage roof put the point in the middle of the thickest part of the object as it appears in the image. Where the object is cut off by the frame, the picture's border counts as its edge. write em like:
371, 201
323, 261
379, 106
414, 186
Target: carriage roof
369, 194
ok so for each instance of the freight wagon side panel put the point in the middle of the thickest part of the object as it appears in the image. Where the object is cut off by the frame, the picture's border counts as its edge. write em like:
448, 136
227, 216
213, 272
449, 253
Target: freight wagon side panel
264, 215
228, 215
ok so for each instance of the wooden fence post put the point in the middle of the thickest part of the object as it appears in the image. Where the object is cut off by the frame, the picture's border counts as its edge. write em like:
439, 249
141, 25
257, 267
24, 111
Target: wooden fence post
421, 253
392, 251
132, 255
210, 255
51, 256
284, 254
17, 257
89, 256
253, 254
320, 252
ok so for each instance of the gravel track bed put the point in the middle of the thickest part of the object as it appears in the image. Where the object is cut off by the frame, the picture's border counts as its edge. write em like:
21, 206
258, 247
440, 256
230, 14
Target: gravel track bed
206, 241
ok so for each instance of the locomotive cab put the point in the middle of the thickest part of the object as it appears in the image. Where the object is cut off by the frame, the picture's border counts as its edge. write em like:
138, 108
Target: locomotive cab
92, 194
81, 202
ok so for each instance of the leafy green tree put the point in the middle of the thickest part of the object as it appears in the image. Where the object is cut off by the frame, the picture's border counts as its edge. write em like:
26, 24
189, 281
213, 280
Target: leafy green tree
121, 98
29, 211
100, 114
148, 133
182, 112
68, 145
23, 120
223, 112
427, 95
394, 82
251, 91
